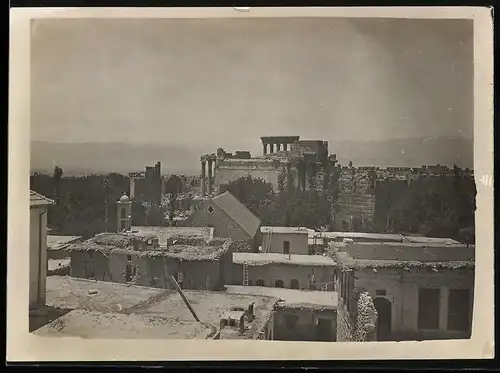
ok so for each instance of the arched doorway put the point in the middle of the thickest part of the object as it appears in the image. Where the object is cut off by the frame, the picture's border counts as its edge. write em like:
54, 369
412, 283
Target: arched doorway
384, 310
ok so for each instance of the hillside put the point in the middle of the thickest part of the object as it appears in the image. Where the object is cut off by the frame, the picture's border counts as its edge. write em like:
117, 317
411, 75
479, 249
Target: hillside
85, 158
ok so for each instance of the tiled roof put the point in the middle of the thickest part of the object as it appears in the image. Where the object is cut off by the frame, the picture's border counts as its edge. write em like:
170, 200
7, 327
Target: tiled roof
37, 199
241, 215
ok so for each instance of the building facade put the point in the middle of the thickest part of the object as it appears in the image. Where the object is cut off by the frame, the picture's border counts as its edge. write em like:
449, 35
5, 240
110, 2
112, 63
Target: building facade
38, 261
285, 240
305, 272
428, 293
299, 315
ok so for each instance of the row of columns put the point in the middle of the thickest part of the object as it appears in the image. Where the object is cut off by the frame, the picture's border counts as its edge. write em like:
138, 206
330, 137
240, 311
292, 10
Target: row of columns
207, 160
279, 147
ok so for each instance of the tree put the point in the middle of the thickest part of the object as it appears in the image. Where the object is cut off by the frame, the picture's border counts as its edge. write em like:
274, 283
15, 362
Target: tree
249, 191
155, 216
58, 173
290, 207
174, 185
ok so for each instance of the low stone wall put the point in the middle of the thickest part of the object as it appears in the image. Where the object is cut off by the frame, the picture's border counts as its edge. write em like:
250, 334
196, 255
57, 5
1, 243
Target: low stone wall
358, 327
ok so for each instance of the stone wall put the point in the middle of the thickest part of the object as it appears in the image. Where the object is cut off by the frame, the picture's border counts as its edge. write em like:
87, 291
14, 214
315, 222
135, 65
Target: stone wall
359, 323
229, 170
358, 189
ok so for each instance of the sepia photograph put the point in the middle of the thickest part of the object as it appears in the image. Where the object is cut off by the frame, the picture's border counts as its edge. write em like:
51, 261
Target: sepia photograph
293, 179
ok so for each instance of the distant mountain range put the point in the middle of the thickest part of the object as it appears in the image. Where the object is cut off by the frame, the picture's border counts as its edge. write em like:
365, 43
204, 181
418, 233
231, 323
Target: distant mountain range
85, 158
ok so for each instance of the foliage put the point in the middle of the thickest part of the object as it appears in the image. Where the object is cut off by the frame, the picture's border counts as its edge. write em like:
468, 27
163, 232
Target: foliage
81, 207
290, 207
155, 216
438, 206
174, 185
251, 192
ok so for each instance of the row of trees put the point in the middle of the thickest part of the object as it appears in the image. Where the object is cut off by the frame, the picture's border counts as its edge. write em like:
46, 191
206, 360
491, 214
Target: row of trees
86, 205
438, 206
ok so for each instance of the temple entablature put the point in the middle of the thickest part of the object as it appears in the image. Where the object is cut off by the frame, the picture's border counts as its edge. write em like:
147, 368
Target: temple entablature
277, 143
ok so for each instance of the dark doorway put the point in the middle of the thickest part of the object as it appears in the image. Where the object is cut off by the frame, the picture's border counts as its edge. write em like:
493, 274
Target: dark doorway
384, 310
286, 247
324, 330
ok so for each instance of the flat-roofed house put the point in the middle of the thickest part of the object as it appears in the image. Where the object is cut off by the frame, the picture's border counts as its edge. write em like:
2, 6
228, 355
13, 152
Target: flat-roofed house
285, 240
229, 218
312, 272
38, 249
299, 315
195, 263
421, 290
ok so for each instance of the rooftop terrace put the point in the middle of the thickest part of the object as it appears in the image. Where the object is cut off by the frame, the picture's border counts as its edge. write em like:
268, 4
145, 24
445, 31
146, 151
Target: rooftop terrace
391, 254
284, 230
164, 233
195, 248
110, 306
92, 324
59, 242
291, 298
259, 259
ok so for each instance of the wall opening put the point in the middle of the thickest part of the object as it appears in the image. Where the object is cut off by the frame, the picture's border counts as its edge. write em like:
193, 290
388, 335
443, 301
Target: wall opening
290, 322
324, 329
458, 310
428, 308
279, 284
294, 284
384, 310
286, 247
260, 282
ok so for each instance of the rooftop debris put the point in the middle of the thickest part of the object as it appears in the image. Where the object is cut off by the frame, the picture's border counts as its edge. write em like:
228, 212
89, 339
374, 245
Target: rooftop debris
407, 265
107, 243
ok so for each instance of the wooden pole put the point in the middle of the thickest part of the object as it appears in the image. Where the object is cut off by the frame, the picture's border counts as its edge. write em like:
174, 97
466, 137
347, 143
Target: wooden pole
179, 290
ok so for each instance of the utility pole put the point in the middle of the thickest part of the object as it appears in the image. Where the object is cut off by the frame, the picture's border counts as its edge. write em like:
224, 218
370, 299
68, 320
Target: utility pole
106, 205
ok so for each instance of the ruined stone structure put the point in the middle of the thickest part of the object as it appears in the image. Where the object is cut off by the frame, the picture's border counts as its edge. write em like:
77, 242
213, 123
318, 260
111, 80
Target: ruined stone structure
147, 186
288, 162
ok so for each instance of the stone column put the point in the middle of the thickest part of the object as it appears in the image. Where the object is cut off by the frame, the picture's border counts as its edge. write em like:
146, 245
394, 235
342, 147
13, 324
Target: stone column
278, 147
202, 182
210, 181
265, 148
132, 187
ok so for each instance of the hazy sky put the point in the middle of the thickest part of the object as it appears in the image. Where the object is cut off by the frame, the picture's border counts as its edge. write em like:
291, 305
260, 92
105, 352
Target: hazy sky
226, 82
